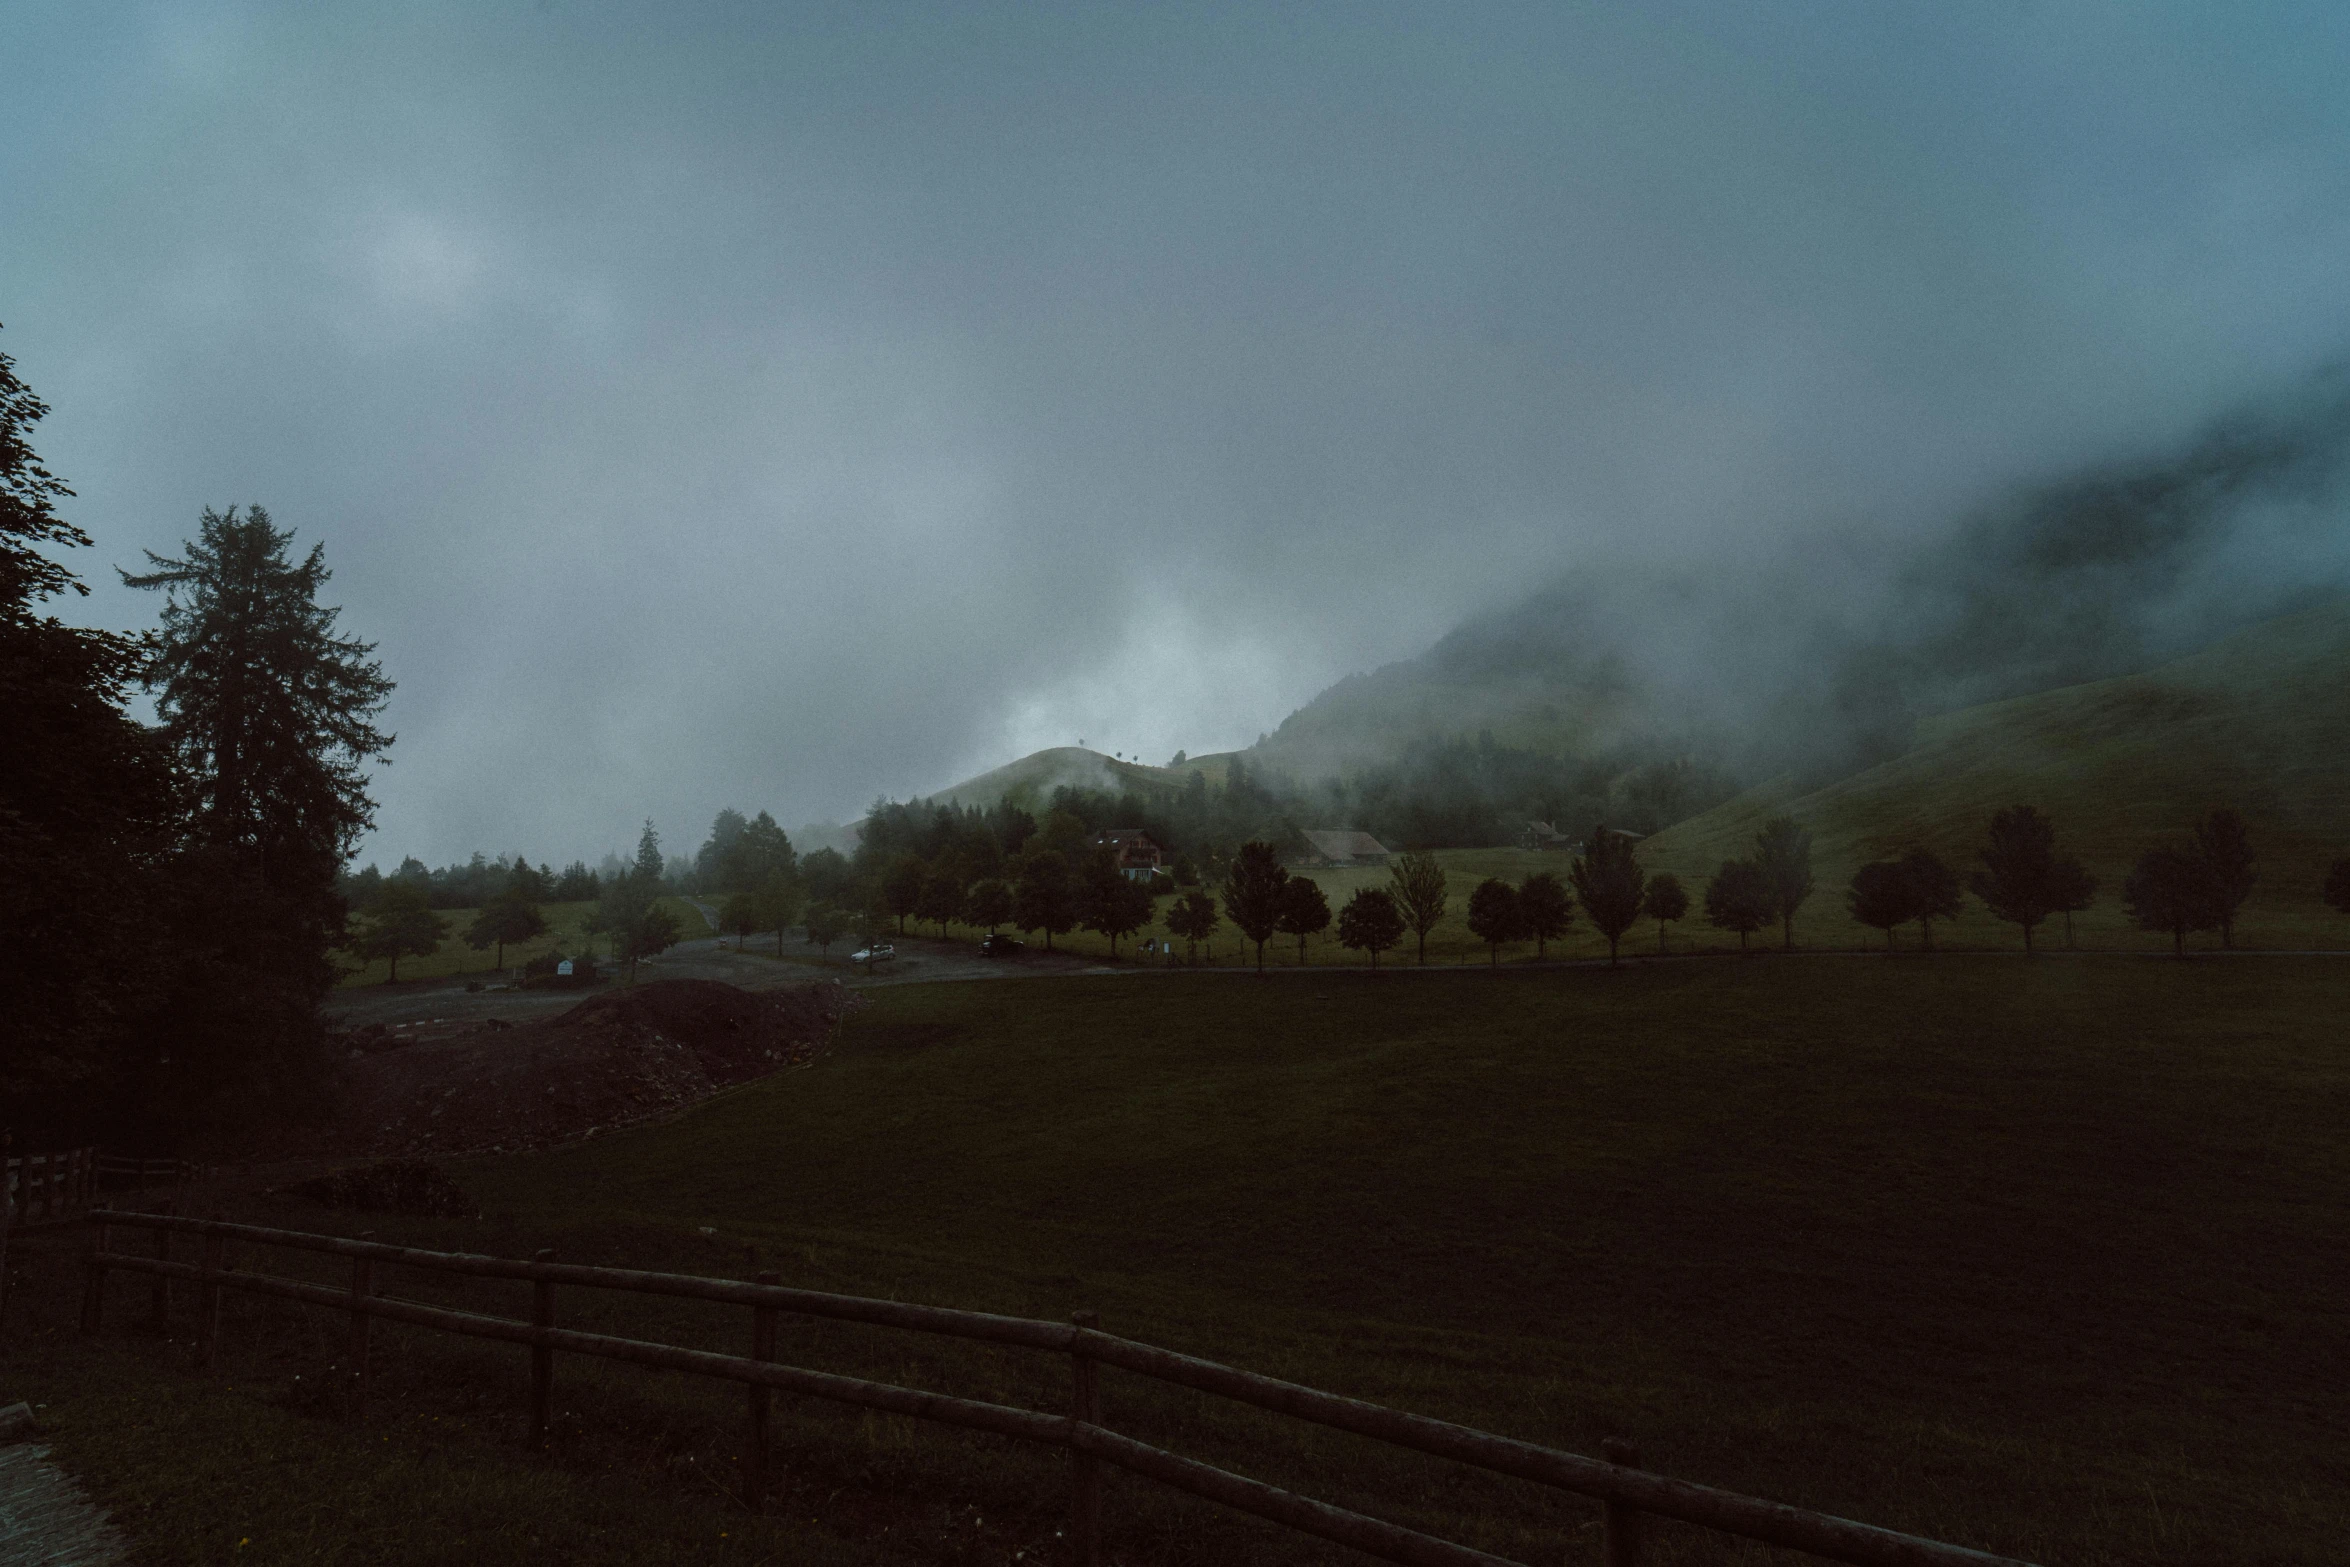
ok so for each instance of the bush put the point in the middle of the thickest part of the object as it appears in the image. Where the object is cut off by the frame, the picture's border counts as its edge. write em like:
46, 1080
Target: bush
396, 1186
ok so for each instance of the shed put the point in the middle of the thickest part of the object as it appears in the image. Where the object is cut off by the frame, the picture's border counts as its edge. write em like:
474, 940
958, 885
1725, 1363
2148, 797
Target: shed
1342, 849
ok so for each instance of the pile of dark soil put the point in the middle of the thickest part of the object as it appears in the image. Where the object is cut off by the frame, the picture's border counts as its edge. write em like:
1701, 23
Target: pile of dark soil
619, 1057
396, 1186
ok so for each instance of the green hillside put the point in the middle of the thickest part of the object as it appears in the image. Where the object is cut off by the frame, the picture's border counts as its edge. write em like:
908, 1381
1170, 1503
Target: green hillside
1030, 781
2257, 722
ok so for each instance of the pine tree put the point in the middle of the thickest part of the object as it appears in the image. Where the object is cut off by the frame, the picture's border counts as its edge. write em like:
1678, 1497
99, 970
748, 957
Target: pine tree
85, 810
269, 715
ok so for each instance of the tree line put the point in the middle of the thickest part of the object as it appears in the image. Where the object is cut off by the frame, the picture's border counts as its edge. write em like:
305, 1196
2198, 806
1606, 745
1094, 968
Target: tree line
217, 832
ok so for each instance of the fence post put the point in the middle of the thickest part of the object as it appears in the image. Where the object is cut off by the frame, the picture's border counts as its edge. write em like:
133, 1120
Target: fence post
208, 1292
94, 1280
162, 1297
7, 1206
362, 1286
1085, 1478
755, 1440
542, 1356
1623, 1520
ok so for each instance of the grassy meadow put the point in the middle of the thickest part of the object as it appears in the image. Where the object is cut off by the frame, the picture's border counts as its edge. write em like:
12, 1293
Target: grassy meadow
2255, 723
2041, 1257
566, 932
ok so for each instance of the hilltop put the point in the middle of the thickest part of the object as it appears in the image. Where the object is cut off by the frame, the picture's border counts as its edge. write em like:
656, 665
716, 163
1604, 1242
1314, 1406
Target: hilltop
2256, 721
1030, 781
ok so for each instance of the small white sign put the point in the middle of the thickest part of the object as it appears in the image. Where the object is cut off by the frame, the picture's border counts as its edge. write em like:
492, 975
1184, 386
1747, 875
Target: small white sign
563, 969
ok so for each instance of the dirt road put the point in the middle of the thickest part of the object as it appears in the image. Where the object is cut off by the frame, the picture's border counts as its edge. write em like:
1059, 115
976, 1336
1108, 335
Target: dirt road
429, 1005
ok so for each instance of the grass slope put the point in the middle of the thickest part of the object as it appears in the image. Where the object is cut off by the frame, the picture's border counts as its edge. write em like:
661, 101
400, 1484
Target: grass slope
2257, 722
2041, 1257
2034, 1255
566, 932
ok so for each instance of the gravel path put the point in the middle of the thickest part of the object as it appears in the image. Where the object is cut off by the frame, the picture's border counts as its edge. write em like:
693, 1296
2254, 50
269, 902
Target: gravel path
45, 1519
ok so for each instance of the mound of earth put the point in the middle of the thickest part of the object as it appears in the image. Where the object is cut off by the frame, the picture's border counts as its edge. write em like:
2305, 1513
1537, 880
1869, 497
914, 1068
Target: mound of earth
615, 1058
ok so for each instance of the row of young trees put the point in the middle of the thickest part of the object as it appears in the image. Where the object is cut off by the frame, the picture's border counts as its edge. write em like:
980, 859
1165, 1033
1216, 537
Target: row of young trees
2196, 883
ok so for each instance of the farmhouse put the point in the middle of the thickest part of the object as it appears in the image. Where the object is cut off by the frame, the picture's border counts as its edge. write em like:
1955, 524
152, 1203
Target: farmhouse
1542, 835
1139, 855
1340, 849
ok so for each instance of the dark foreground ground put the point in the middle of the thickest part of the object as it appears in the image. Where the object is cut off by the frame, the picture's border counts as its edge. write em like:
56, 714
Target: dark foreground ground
2042, 1258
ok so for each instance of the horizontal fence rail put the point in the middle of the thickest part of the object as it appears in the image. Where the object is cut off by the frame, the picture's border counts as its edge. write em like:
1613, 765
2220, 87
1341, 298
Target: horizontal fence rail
1626, 1491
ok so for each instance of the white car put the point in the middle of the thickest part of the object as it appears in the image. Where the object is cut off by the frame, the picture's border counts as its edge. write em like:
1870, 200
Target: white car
880, 952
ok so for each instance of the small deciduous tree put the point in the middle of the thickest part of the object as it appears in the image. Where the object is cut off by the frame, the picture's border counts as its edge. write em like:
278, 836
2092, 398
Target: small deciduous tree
901, 888
1495, 915
508, 917
828, 876
1547, 910
1740, 898
630, 910
1253, 892
2171, 889
742, 914
1609, 884
1045, 899
1782, 855
1114, 903
1305, 911
400, 925
988, 904
1933, 892
1880, 896
1416, 882
2018, 880
941, 900
2229, 867
825, 925
1667, 901
1370, 922
2070, 890
2337, 887
1193, 917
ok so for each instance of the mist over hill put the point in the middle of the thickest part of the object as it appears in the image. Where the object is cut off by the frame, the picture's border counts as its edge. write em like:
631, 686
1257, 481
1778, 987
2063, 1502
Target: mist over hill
1819, 658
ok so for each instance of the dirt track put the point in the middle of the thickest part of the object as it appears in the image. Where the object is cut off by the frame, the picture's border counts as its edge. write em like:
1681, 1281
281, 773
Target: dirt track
429, 1006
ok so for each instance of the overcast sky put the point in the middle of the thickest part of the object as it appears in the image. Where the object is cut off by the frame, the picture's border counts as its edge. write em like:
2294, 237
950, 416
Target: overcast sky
780, 405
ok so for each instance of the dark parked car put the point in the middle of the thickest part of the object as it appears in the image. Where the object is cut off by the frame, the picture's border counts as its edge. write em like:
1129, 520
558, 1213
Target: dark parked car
1000, 946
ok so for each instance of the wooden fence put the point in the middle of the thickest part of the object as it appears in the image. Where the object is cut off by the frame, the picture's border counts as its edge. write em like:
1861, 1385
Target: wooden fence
38, 1188
1626, 1492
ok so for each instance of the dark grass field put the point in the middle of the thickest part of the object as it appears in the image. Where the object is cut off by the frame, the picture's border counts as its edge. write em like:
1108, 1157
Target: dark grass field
2042, 1257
